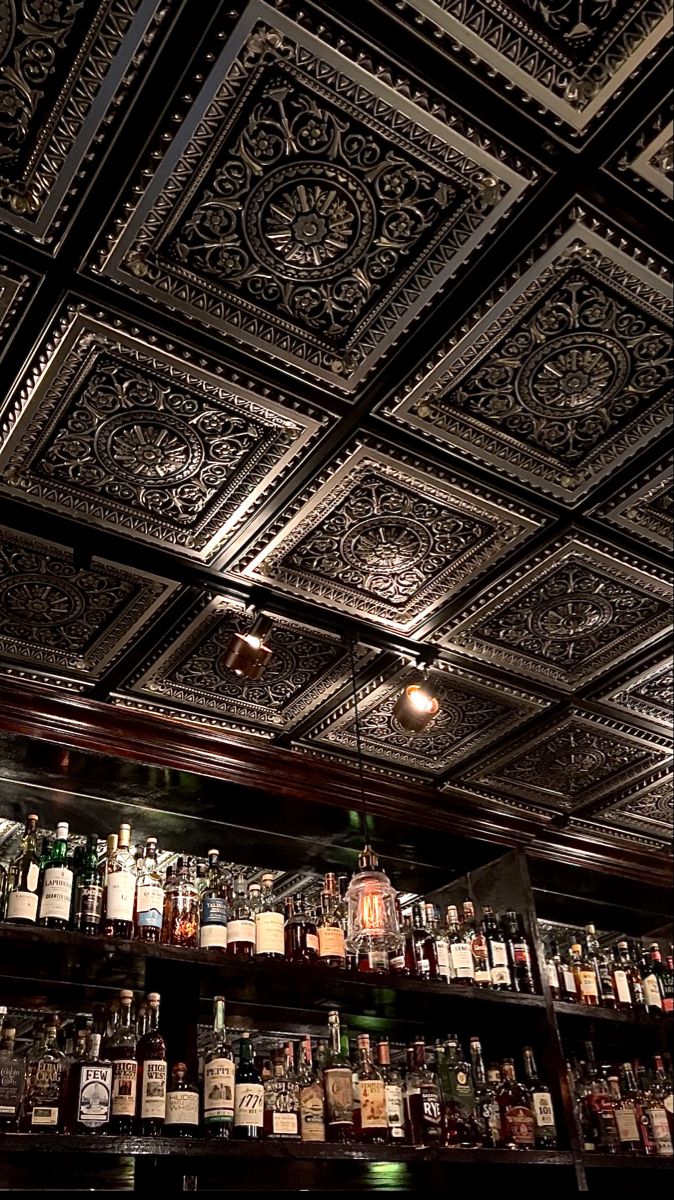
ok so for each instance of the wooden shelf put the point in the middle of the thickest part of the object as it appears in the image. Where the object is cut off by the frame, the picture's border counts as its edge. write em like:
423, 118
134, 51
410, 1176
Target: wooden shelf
642, 1020
617, 1162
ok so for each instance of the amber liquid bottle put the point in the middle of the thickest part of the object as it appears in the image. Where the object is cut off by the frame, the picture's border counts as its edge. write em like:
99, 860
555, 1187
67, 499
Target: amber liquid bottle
151, 1054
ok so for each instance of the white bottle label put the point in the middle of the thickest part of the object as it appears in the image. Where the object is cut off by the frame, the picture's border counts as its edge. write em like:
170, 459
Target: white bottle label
551, 973
626, 1121
500, 971
153, 1098
443, 958
313, 943
622, 987
93, 1109
182, 1108
373, 1113
588, 983
213, 937
569, 981
124, 1076
652, 993
33, 877
219, 1090
544, 1116
57, 892
149, 905
661, 1134
248, 1104
461, 959
241, 931
22, 906
285, 1122
269, 928
121, 894
45, 1117
331, 942
394, 1111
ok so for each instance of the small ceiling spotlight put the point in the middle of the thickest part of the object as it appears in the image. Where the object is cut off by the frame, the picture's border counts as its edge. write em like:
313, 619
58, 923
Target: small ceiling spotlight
248, 653
416, 706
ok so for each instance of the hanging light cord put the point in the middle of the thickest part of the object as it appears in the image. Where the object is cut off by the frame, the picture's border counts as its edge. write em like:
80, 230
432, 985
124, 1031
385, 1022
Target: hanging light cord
359, 746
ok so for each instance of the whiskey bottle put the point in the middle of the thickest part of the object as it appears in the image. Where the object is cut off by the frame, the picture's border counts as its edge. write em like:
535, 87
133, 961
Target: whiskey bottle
627, 980
219, 1072
395, 1107
57, 883
461, 967
441, 936
567, 981
587, 987
110, 852
541, 1103
597, 1117
338, 1084
248, 1095
184, 922
477, 940
12, 1070
553, 967
24, 878
602, 968
331, 942
486, 1108
76, 1048
461, 1128
241, 924
652, 980
151, 1055
44, 1092
121, 1050
214, 906
120, 892
517, 1118
625, 1111
149, 895
422, 1100
370, 1123
282, 1097
667, 981
269, 923
421, 941
660, 1114
182, 1105
310, 930
499, 970
518, 953
93, 1090
170, 884
88, 889
311, 1096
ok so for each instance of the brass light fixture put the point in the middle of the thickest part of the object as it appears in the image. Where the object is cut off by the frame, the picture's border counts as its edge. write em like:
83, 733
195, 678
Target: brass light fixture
416, 706
249, 653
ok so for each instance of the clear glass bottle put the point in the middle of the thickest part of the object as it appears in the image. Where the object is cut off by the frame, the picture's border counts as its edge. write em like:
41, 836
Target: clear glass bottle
282, 1097
371, 1122
486, 1109
121, 1051
149, 895
110, 852
24, 878
331, 942
461, 966
12, 1071
241, 923
248, 1095
182, 1105
395, 1104
518, 1126
44, 1092
422, 1100
57, 883
88, 889
214, 906
120, 892
602, 968
184, 923
219, 1073
151, 1055
541, 1103
431, 949
338, 1083
567, 980
629, 990
553, 970
269, 923
93, 1087
421, 941
311, 1096
441, 935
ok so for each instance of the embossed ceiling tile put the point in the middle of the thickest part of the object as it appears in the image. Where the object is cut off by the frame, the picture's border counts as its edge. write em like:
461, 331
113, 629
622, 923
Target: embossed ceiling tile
383, 539
649, 693
567, 615
647, 162
571, 762
645, 509
64, 66
560, 377
123, 433
471, 715
307, 206
61, 618
188, 673
646, 809
13, 287
570, 57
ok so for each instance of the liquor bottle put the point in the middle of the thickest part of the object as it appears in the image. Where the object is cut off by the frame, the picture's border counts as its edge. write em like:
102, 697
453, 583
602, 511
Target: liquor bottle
120, 891
541, 1103
149, 895
88, 889
214, 906
587, 987
371, 1123
121, 1050
462, 972
652, 980
597, 1108
182, 1105
311, 1098
421, 941
248, 1094
461, 1128
331, 942
395, 1108
642, 1098
269, 923
282, 1097
241, 926
553, 970
602, 968
627, 1116
403, 961
431, 948
57, 883
12, 1070
151, 1055
44, 1091
422, 1100
75, 1050
93, 1086
170, 884
517, 1119
219, 1073
567, 980
311, 931
184, 922
441, 948
338, 1084
660, 1104
629, 969
667, 981
110, 852
24, 878
518, 953
476, 939
486, 1109
499, 970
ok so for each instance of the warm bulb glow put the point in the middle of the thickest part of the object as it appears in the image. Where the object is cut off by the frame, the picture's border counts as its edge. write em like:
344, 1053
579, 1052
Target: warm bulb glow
420, 699
248, 653
372, 919
371, 912
415, 708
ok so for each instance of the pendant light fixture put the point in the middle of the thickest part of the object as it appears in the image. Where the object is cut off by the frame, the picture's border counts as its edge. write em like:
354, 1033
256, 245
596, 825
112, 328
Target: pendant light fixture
372, 918
248, 653
416, 705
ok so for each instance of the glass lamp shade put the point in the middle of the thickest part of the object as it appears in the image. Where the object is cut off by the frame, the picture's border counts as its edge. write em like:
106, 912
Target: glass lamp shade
372, 919
415, 708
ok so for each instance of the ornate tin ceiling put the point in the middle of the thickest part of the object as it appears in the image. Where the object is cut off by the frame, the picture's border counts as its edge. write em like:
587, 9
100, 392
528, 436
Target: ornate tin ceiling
361, 314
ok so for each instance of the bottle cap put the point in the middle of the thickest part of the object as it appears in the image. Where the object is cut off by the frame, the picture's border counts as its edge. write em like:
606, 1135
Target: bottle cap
268, 878
62, 830
153, 997
214, 851
151, 841
576, 949
126, 994
32, 817
124, 834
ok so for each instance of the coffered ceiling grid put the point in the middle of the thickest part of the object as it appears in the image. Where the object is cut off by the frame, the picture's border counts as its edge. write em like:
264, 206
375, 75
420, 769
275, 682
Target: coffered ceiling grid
362, 317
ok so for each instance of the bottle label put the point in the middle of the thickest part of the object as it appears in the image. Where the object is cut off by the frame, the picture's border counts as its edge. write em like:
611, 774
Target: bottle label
339, 1099
481, 959
33, 877
569, 981
269, 928
373, 1104
499, 954
431, 1109
22, 906
213, 937
442, 951
45, 1116
124, 1075
248, 1103
93, 1107
153, 1097
285, 1122
312, 942
461, 960
588, 983
521, 954
219, 1090
312, 1116
11, 1084
551, 975
395, 1116
659, 1129
423, 968
331, 942
622, 987
520, 1122
182, 1108
241, 931
397, 963
149, 905
625, 1119
89, 903
57, 893
213, 910
461, 1088
652, 994
543, 1114
121, 895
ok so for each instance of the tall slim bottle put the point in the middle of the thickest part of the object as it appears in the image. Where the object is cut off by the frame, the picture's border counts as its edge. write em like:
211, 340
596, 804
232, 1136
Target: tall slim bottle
120, 892
312, 1097
219, 1078
57, 883
151, 1054
24, 878
541, 1103
122, 1053
338, 1084
88, 889
248, 1094
149, 895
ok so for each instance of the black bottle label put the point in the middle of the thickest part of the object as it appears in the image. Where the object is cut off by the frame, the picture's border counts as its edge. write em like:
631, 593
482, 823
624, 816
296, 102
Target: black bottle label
11, 1082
